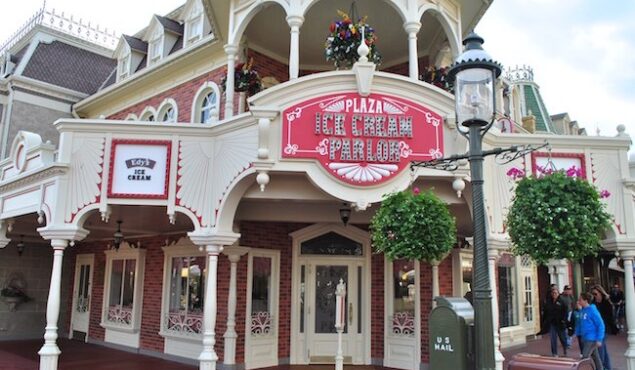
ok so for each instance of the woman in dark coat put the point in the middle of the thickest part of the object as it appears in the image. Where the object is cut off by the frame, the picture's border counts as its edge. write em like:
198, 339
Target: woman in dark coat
603, 303
554, 317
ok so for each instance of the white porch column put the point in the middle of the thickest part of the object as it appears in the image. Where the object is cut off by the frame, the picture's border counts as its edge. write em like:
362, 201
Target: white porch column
435, 281
208, 358
49, 353
492, 256
412, 28
629, 295
233, 253
559, 272
295, 22
231, 51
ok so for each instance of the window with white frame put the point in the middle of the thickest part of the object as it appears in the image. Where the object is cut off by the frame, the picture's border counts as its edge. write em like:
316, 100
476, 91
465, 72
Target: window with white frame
123, 287
206, 105
402, 298
263, 284
148, 114
194, 28
155, 49
184, 290
168, 111
124, 66
507, 311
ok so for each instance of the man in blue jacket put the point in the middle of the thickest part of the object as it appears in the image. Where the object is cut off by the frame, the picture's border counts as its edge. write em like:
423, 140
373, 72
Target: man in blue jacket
591, 329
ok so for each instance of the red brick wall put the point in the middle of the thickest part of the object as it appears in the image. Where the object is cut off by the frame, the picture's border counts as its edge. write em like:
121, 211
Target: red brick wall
377, 307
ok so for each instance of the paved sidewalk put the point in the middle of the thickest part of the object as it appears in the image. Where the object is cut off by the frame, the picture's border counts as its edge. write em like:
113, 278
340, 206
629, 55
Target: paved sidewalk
616, 344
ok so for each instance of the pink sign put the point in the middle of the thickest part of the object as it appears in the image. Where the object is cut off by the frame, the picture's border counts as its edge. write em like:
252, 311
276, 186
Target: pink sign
362, 140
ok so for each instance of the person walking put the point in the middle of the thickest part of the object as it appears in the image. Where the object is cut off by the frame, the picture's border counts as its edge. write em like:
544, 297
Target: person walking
617, 298
554, 318
569, 301
591, 329
602, 302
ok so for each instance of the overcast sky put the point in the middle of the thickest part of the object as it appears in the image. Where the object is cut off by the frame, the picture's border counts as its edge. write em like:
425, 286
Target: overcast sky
582, 51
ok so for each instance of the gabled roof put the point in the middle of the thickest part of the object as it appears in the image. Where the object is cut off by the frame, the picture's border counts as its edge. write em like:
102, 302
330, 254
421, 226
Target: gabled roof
136, 44
67, 66
170, 25
559, 116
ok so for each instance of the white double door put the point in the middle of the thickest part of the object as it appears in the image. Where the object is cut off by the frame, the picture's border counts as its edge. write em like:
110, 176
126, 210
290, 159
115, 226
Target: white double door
319, 279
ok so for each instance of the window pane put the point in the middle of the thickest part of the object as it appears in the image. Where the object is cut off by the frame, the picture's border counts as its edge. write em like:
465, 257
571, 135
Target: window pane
128, 283
529, 305
115, 282
506, 296
195, 285
260, 291
177, 292
326, 280
404, 292
208, 107
302, 288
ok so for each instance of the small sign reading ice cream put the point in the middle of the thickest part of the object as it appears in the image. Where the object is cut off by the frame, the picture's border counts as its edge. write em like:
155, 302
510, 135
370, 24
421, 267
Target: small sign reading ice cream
139, 169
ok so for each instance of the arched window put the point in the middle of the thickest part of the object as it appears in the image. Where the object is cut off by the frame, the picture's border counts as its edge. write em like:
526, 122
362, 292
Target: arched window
132, 117
149, 114
206, 105
168, 111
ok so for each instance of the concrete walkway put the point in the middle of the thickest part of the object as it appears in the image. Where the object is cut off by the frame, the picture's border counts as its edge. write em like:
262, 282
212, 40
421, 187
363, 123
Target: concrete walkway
616, 344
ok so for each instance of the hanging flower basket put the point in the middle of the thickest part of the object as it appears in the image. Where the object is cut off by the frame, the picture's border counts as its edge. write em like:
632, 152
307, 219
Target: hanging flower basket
344, 39
413, 225
437, 77
556, 215
246, 79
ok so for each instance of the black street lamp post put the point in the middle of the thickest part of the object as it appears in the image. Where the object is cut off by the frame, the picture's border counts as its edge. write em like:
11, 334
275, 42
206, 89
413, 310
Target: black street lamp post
474, 74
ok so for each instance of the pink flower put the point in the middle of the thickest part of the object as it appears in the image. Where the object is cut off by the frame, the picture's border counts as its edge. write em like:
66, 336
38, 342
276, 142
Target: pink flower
515, 173
604, 194
574, 172
416, 190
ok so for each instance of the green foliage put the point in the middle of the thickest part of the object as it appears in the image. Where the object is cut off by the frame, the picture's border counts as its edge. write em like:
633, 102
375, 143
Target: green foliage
413, 226
556, 216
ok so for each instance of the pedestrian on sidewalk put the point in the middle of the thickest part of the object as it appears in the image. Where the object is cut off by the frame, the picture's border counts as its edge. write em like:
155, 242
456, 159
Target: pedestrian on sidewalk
602, 302
569, 300
554, 317
590, 329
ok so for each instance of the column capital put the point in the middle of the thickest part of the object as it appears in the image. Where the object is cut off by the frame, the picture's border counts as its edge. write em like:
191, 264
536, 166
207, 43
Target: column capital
412, 26
234, 253
63, 232
627, 254
295, 21
231, 49
213, 238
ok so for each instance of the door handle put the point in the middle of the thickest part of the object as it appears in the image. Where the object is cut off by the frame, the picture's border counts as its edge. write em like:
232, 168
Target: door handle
350, 314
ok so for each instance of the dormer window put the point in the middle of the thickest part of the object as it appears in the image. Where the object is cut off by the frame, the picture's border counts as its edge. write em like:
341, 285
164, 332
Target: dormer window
194, 28
124, 66
156, 49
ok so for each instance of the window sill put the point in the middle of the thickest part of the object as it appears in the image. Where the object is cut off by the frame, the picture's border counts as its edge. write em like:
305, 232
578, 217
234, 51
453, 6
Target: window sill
191, 337
115, 327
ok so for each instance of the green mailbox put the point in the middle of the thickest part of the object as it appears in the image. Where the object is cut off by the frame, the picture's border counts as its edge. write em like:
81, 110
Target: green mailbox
450, 329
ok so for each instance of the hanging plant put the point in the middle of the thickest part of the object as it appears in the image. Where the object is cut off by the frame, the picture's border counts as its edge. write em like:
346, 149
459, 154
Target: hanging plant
246, 79
413, 225
345, 37
556, 215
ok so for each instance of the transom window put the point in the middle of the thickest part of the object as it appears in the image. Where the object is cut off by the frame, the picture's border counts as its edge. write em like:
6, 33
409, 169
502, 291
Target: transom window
169, 115
332, 244
168, 111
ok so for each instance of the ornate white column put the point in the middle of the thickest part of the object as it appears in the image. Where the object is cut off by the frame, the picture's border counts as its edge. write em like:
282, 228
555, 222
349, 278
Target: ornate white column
412, 28
208, 358
629, 295
295, 22
492, 256
49, 353
231, 51
233, 254
435, 281
213, 243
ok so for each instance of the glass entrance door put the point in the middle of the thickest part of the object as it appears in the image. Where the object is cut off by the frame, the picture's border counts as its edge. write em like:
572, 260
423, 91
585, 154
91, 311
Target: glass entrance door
321, 307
